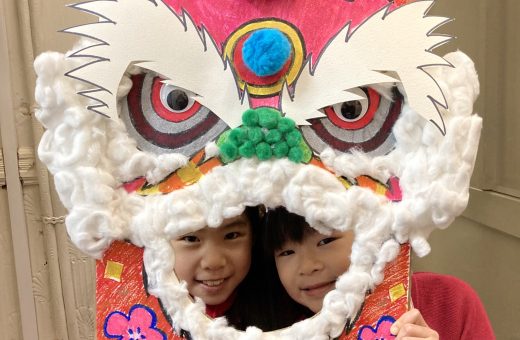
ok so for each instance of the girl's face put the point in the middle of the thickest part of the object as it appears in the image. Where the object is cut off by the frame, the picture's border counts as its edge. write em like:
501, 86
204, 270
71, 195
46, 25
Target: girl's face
309, 269
213, 261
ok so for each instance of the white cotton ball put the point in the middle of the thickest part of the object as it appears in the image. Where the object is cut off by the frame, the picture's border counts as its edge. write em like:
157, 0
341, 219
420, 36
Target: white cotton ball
389, 251
65, 183
135, 165
408, 130
165, 164
420, 246
121, 149
65, 91
252, 333
356, 281
232, 211
69, 146
211, 150
328, 156
335, 303
103, 192
361, 256
159, 259
217, 328
186, 213
464, 75
46, 151
46, 98
431, 136
85, 225
76, 117
49, 65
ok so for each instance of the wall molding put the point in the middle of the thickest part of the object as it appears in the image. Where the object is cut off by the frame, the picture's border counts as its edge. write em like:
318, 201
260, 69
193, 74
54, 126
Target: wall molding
27, 166
495, 210
15, 197
3, 182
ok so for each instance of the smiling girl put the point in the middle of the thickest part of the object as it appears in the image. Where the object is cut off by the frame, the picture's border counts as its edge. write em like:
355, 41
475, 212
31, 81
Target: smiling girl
215, 263
307, 265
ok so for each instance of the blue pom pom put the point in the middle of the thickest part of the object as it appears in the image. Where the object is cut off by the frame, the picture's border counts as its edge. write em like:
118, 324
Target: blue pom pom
266, 51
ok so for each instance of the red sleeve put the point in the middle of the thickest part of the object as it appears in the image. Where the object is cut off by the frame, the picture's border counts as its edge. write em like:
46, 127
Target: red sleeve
450, 306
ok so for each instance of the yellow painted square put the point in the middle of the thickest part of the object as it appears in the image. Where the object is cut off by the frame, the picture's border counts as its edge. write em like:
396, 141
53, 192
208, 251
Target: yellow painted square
397, 292
189, 174
113, 271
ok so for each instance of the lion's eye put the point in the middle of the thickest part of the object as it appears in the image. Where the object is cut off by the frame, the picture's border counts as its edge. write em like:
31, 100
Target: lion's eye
364, 124
350, 110
355, 114
165, 118
177, 100
172, 103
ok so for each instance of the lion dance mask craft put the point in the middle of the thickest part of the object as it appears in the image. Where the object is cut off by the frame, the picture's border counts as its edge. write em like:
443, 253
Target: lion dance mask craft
170, 116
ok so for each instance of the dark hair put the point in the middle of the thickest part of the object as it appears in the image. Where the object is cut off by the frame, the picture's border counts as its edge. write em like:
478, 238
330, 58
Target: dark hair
247, 309
261, 299
280, 226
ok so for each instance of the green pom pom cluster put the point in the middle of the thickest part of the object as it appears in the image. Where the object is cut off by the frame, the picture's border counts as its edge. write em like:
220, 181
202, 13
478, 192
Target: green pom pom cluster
264, 134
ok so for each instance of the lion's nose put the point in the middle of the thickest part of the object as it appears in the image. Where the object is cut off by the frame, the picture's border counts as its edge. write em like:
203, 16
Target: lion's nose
264, 134
266, 51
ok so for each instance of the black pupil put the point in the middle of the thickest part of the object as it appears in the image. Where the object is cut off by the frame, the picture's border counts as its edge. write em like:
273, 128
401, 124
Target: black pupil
178, 100
351, 110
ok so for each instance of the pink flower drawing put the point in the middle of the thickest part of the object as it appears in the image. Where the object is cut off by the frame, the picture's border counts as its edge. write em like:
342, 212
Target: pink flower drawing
381, 332
139, 324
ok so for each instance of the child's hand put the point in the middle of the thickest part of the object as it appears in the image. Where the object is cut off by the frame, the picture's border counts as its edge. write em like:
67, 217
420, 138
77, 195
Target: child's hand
411, 325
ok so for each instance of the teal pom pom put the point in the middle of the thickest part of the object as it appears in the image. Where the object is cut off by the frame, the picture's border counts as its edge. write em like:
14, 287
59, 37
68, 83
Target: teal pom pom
247, 150
281, 150
255, 135
296, 154
293, 138
228, 152
268, 118
286, 124
273, 136
263, 151
250, 118
266, 51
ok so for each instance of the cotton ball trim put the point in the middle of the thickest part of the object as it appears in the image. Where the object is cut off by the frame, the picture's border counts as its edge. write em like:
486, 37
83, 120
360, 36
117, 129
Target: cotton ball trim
98, 217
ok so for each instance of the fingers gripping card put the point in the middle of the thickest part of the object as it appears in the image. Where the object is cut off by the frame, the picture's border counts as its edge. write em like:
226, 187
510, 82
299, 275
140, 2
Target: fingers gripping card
269, 164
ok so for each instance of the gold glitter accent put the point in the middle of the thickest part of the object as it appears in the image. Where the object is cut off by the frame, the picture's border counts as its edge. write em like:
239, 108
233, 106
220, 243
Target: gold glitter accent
397, 292
113, 271
189, 174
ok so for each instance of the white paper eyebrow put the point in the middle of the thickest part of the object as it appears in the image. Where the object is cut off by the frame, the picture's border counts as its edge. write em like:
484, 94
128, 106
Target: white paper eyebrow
150, 35
400, 42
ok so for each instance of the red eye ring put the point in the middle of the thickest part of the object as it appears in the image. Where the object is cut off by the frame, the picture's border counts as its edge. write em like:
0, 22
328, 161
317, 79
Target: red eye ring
374, 99
167, 113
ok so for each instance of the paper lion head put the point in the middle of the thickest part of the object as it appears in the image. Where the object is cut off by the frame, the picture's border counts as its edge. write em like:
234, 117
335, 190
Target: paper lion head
165, 119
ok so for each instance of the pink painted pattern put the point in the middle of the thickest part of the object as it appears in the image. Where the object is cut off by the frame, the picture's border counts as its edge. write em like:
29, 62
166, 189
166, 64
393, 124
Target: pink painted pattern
139, 324
381, 332
318, 21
